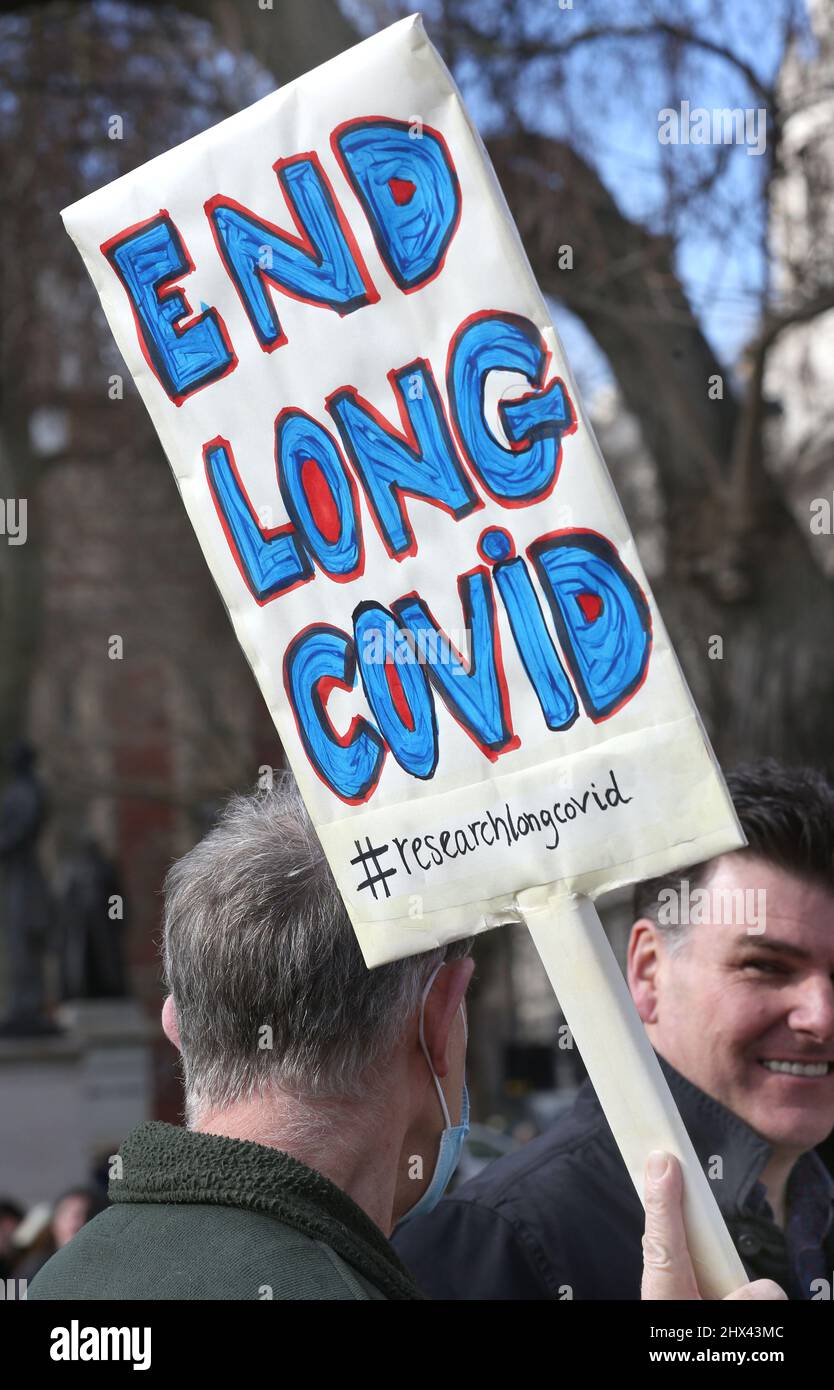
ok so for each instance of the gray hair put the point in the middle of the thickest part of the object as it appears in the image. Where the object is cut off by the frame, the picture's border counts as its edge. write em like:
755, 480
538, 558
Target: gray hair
270, 988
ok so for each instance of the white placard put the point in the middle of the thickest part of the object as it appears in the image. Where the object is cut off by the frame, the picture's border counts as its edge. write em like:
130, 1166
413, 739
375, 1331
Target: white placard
328, 312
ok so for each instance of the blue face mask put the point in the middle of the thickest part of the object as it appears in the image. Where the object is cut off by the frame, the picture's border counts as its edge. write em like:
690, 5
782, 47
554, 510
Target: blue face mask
453, 1137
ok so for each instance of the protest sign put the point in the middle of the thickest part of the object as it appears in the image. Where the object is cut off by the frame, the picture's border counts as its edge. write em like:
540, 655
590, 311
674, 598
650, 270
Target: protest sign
328, 312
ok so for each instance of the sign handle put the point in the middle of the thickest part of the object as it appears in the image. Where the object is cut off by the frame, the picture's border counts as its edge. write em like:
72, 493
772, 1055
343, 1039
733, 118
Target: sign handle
625, 1072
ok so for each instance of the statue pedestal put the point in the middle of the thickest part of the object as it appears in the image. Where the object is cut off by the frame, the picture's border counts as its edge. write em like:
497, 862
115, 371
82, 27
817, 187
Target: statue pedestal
68, 1100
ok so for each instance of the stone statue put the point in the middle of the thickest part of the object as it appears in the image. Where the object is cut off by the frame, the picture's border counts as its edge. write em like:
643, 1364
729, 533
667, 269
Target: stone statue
26, 908
91, 916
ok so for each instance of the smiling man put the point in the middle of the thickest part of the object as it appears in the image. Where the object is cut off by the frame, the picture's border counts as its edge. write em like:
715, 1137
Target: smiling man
749, 1017
732, 971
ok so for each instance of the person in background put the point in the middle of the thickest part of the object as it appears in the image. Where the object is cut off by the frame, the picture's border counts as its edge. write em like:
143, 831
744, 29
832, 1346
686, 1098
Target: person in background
73, 1209
11, 1215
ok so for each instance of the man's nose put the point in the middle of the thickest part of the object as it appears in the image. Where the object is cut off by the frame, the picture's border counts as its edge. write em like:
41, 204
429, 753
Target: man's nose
813, 1008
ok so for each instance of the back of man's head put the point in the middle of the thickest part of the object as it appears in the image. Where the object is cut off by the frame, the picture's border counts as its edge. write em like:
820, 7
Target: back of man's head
268, 982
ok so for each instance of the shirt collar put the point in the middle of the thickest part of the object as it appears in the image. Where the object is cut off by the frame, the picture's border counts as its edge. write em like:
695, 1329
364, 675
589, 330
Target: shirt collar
732, 1154
810, 1197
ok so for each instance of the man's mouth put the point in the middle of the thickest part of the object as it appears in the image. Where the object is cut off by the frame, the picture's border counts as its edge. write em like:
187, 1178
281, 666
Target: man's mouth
787, 1068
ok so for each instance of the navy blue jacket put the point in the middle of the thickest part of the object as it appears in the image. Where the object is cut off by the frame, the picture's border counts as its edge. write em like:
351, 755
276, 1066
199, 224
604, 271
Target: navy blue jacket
560, 1218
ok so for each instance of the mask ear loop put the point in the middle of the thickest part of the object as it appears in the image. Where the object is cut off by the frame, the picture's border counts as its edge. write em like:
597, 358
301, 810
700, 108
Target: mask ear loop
444, 1107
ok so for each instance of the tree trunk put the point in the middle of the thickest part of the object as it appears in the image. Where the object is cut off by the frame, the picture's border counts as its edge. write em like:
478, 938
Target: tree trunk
738, 566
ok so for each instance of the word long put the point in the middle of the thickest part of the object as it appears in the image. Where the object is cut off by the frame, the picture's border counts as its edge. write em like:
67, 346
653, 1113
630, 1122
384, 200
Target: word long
419, 460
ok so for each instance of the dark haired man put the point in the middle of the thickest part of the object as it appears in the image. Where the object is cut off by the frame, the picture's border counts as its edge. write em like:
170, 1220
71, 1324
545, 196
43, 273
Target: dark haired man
732, 970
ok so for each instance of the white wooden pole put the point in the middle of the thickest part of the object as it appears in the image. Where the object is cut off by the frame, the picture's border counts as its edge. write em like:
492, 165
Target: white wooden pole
625, 1072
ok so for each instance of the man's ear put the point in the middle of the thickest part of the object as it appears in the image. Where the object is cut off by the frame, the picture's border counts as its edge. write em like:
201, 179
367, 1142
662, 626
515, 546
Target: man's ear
442, 1007
643, 960
169, 1022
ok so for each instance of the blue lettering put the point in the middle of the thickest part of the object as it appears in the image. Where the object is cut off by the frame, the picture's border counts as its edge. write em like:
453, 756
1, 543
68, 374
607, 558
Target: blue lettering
322, 266
409, 191
397, 689
351, 764
535, 646
601, 615
421, 462
535, 424
319, 494
270, 561
476, 696
146, 259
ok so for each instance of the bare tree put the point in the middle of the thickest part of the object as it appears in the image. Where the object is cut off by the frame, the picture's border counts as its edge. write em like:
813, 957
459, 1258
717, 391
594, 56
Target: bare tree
117, 654
92, 90
739, 562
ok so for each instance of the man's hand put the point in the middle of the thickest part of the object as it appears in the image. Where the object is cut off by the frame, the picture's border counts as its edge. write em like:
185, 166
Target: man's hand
667, 1267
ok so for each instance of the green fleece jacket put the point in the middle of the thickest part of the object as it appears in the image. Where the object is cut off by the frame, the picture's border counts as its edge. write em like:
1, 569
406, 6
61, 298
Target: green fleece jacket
196, 1216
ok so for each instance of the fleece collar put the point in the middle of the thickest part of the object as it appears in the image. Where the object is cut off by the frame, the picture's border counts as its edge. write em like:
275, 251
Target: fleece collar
166, 1163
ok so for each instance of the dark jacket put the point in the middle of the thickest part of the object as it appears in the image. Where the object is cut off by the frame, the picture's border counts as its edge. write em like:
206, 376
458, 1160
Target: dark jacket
561, 1219
199, 1216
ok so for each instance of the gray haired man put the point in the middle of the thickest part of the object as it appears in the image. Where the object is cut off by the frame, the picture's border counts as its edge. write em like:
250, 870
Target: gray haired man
324, 1102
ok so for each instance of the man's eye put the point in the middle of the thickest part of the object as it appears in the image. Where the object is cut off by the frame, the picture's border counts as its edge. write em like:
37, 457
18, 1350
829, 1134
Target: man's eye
768, 967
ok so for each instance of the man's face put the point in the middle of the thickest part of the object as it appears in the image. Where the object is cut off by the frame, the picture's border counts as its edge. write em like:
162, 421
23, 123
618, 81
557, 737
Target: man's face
748, 1016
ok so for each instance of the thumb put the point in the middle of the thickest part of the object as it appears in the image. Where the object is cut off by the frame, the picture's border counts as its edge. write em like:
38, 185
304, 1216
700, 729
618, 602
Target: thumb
667, 1267
760, 1288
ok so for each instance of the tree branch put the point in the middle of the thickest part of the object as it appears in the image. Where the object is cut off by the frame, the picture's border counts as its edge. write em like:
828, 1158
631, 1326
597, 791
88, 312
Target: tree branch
659, 28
